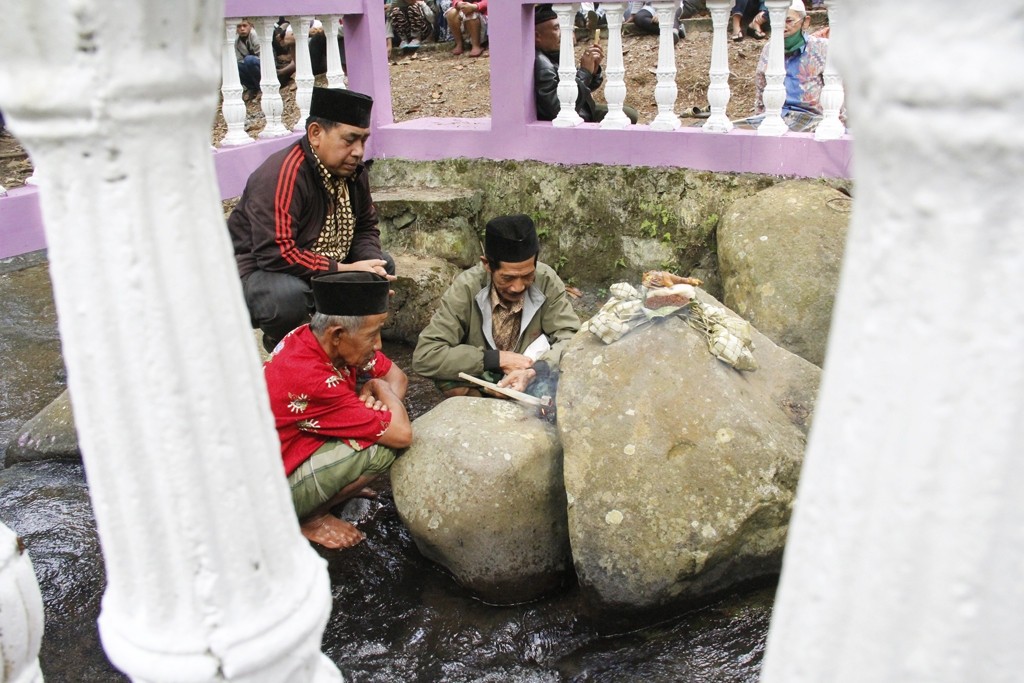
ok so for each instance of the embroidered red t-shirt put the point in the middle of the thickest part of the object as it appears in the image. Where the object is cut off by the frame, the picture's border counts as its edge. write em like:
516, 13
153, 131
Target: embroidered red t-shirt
313, 401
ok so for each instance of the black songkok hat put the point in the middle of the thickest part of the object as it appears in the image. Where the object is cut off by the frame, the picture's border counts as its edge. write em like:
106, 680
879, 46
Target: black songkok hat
341, 106
511, 239
542, 13
356, 293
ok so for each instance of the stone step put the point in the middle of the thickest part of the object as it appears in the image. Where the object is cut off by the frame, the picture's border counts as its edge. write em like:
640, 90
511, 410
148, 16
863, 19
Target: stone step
439, 222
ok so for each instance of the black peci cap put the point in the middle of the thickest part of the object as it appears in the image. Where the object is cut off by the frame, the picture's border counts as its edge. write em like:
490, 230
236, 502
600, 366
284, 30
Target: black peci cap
542, 13
341, 106
511, 239
355, 293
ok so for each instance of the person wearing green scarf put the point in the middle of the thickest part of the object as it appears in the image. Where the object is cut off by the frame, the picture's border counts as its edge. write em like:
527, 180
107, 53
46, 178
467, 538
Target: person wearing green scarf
804, 60
796, 22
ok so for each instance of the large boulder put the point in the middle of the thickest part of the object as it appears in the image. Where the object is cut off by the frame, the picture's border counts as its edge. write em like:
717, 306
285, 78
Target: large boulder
480, 490
421, 282
680, 471
50, 435
779, 253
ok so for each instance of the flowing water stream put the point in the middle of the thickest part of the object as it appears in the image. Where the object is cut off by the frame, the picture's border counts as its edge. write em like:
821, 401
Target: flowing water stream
396, 616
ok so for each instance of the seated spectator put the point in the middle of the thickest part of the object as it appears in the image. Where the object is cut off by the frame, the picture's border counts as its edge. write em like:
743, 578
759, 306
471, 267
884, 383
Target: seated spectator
247, 53
412, 22
547, 39
468, 19
591, 16
318, 46
753, 14
805, 58
284, 52
337, 436
643, 16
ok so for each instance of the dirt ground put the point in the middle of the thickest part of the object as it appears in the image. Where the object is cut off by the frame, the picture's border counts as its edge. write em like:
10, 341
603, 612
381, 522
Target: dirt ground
435, 83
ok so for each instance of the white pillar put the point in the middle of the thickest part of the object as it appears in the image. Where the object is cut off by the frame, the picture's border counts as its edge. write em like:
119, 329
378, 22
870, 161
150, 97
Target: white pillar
774, 95
906, 547
21, 613
567, 90
718, 90
335, 72
665, 91
208, 578
303, 69
615, 72
832, 95
232, 105
271, 102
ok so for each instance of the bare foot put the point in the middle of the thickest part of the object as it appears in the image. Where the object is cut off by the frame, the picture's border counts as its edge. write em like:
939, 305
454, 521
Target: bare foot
365, 492
331, 532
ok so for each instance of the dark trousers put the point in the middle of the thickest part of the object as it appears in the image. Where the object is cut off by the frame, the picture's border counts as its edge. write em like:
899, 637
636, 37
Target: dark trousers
278, 302
645, 22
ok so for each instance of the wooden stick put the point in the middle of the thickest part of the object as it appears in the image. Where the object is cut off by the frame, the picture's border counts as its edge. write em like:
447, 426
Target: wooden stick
544, 402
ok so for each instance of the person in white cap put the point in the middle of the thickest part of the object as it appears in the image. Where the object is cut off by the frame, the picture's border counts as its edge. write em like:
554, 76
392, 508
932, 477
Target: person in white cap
805, 57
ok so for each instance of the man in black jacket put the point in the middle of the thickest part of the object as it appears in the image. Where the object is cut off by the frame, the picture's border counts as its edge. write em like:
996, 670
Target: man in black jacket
547, 38
307, 210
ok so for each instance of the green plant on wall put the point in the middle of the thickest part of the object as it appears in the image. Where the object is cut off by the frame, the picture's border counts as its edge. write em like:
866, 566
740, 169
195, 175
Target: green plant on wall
540, 217
658, 217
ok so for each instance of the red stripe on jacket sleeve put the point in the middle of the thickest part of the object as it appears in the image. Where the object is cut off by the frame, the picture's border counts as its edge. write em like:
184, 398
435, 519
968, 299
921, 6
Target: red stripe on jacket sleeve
283, 232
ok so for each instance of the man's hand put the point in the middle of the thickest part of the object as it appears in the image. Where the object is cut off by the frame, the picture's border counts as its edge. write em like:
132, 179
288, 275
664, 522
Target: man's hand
518, 380
511, 361
466, 7
373, 265
377, 394
591, 59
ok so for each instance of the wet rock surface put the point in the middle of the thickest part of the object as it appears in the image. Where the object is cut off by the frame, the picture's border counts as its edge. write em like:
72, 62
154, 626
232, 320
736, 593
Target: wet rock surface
680, 471
50, 435
481, 492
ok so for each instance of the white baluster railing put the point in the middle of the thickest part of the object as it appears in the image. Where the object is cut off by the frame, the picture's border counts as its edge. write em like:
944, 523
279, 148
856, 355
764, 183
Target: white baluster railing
615, 71
832, 94
718, 90
774, 95
665, 92
335, 72
232, 105
271, 102
567, 89
303, 69
21, 613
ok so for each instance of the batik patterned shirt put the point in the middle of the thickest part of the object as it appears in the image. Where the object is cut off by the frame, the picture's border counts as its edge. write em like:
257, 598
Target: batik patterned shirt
805, 77
339, 225
314, 401
506, 321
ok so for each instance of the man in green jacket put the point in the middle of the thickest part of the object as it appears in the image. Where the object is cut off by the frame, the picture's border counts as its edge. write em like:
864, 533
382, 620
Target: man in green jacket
507, 320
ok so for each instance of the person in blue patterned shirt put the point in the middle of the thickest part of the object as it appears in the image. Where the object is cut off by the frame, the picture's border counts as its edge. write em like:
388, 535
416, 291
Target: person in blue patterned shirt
805, 57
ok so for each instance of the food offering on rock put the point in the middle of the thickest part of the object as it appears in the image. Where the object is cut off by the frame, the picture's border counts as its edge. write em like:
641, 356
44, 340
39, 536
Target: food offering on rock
668, 289
730, 338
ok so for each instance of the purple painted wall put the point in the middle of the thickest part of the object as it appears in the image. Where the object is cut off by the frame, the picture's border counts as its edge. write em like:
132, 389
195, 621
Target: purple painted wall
512, 132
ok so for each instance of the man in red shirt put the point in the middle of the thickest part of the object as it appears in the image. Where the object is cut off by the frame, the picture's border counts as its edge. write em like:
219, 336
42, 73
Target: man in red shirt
337, 403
